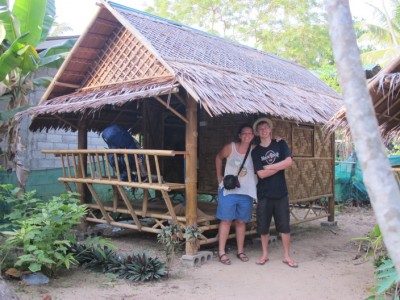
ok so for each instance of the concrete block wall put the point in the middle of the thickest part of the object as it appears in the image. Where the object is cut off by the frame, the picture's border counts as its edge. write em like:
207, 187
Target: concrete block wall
31, 143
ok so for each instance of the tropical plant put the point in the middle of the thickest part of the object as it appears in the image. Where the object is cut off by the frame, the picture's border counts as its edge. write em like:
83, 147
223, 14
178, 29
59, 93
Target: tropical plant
135, 267
328, 74
171, 238
139, 267
192, 235
383, 36
387, 281
94, 253
42, 238
22, 204
22, 28
387, 278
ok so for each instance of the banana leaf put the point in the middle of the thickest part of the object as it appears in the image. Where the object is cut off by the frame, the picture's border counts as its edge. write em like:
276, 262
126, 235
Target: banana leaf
19, 55
11, 24
31, 15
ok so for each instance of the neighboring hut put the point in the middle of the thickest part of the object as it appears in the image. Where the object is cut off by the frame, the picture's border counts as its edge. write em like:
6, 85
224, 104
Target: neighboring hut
184, 92
384, 89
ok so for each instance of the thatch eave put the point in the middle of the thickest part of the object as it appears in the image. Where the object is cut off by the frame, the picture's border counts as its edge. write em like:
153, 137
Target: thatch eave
230, 92
65, 112
384, 90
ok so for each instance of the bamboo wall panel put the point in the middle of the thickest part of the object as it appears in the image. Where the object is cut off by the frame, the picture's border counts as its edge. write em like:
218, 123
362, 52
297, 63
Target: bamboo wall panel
323, 143
214, 133
303, 141
308, 176
123, 58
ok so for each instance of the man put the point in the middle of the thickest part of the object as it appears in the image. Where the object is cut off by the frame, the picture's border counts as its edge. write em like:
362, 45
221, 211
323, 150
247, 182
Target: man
270, 159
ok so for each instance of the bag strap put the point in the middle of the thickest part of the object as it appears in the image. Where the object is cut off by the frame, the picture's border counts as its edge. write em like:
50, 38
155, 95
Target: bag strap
244, 160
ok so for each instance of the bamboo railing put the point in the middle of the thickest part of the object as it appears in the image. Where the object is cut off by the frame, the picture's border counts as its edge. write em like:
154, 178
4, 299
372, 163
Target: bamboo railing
142, 171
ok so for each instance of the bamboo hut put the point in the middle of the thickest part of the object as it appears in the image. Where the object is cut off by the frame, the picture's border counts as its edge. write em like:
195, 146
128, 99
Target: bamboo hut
384, 89
185, 92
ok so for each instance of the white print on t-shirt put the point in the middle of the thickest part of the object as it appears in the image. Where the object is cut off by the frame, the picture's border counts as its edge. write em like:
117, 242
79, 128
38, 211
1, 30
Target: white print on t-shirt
270, 157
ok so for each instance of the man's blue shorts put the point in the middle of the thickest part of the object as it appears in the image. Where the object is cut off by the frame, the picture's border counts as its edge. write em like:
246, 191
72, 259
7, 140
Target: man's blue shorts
234, 207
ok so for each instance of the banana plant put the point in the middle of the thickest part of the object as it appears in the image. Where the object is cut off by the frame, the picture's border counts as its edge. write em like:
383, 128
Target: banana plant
22, 28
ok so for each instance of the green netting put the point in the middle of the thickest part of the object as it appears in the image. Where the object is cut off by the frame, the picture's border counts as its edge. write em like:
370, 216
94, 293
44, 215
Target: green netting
349, 184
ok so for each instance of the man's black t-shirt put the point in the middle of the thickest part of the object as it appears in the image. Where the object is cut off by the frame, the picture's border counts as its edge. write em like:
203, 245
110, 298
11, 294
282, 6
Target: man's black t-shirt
273, 187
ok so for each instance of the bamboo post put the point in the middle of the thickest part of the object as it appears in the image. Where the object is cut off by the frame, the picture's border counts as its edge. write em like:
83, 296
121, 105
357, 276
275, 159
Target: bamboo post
191, 169
331, 203
82, 163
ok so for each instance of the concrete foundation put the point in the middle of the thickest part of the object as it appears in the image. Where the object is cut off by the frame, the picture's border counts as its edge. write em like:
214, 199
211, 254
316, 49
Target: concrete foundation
329, 224
196, 260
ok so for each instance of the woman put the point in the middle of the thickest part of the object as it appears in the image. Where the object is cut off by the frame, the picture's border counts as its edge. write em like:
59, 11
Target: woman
236, 204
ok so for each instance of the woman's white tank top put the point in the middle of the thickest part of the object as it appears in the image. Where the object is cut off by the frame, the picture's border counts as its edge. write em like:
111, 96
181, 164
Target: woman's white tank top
247, 178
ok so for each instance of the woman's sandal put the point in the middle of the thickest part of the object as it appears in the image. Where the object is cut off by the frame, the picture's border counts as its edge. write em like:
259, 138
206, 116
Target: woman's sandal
224, 259
243, 257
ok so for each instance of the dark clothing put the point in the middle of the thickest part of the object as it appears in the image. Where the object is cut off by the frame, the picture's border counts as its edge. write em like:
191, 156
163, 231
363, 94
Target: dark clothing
273, 187
117, 137
279, 208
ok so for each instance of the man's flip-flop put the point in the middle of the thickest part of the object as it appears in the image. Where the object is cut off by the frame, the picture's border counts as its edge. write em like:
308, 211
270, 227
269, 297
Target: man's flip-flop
291, 264
262, 262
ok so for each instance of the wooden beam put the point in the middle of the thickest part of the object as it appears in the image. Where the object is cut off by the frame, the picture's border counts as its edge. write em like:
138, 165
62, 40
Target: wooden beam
191, 170
81, 168
90, 51
171, 109
74, 86
97, 35
138, 81
119, 151
65, 121
129, 206
331, 199
106, 22
74, 73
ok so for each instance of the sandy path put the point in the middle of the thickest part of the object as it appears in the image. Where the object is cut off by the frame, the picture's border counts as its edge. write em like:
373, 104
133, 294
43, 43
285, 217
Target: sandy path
327, 270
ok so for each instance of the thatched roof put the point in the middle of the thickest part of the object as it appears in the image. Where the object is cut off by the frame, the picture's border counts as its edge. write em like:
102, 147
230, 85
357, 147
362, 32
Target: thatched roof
126, 55
384, 89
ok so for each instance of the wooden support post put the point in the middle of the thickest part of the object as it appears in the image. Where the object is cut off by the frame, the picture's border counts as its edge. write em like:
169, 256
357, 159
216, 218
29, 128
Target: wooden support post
331, 204
191, 169
82, 165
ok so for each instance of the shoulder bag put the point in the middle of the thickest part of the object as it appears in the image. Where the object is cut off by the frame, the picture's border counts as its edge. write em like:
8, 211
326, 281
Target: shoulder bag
232, 181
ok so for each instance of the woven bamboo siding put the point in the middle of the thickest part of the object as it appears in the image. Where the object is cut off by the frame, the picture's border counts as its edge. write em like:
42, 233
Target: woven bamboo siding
323, 144
123, 58
309, 176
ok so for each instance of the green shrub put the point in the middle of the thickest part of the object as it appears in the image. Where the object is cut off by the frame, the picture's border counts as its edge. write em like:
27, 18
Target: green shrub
43, 231
387, 278
171, 238
136, 267
95, 253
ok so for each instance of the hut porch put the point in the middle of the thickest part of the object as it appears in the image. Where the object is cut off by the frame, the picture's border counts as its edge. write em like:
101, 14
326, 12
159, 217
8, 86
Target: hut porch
134, 203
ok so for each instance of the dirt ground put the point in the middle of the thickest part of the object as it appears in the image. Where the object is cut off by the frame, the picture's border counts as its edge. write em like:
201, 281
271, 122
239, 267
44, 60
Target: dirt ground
328, 269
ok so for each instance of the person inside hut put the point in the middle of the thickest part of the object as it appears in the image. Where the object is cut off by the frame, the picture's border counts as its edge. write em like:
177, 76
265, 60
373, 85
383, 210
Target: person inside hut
271, 158
235, 205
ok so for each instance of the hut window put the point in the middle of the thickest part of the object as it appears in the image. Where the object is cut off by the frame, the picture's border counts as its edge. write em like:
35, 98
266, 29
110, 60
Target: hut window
303, 141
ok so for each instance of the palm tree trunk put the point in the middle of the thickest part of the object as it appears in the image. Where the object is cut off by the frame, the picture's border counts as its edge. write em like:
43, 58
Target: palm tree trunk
378, 177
